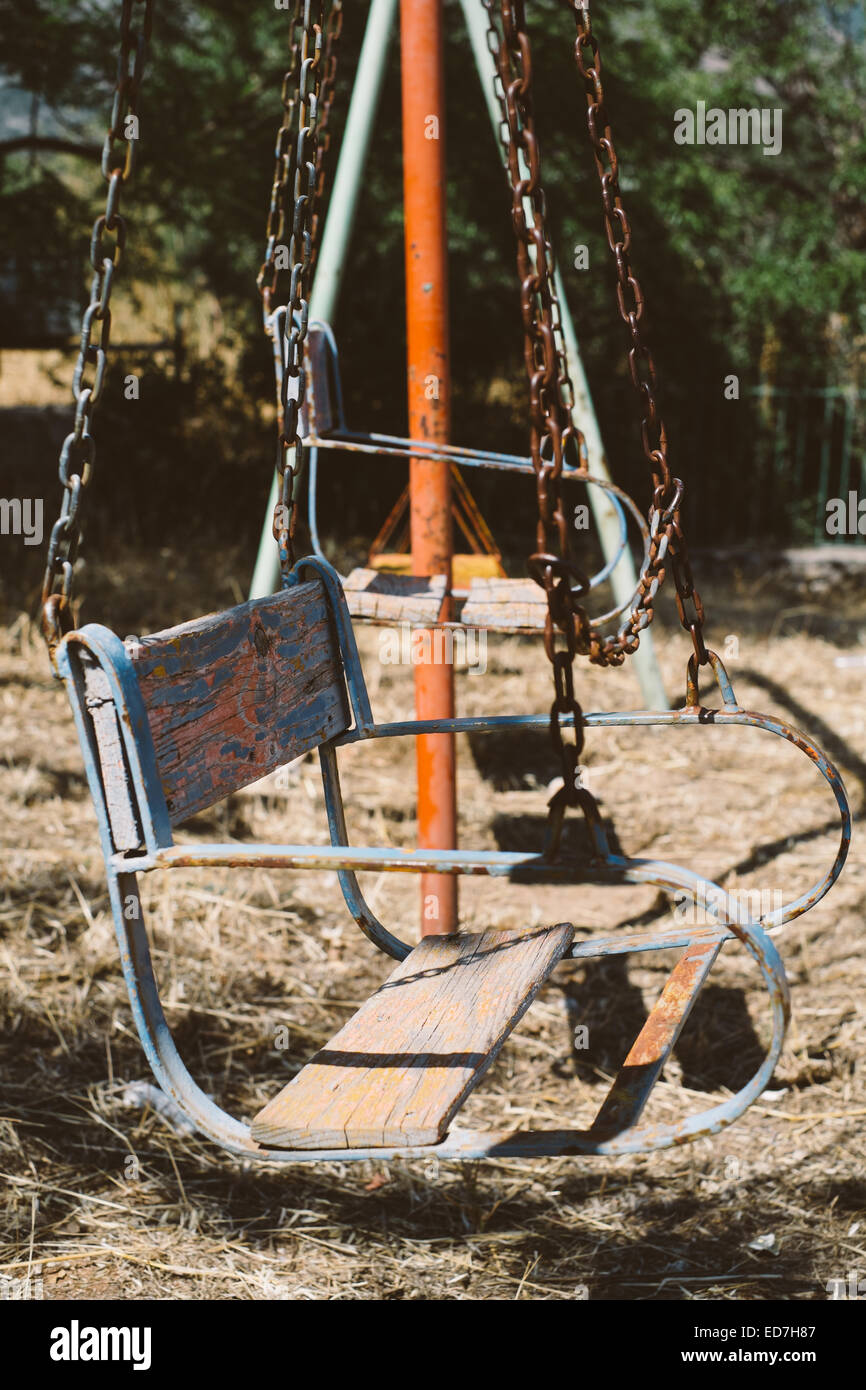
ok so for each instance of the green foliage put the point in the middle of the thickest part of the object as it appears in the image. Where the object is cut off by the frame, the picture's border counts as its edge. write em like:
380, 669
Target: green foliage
750, 264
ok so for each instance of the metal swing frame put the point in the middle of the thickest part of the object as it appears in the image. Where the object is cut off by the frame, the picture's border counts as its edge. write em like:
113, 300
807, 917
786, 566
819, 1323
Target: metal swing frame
618, 1129
325, 427
128, 769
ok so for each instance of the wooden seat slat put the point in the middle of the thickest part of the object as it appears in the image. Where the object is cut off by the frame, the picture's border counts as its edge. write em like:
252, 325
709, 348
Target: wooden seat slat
398, 1071
652, 1047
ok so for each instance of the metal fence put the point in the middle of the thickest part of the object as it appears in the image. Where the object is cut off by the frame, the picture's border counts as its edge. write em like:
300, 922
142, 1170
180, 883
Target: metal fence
764, 468
818, 454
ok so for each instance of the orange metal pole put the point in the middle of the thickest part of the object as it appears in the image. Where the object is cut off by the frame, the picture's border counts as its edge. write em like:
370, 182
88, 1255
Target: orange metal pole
429, 409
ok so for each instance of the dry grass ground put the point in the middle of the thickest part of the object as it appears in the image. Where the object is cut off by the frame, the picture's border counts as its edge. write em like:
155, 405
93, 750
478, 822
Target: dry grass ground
102, 1199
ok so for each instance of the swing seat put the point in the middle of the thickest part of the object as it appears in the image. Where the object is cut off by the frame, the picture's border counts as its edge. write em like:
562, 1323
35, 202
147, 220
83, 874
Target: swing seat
399, 1070
493, 603
172, 723
384, 591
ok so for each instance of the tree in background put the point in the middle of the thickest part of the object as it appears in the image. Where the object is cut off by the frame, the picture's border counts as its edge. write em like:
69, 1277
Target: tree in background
751, 265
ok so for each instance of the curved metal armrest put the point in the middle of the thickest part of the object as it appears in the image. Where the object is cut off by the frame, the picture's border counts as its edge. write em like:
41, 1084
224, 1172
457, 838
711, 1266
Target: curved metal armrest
694, 714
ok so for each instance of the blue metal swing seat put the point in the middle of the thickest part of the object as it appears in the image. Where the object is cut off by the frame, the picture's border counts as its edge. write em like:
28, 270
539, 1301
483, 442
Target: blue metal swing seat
179, 720
494, 603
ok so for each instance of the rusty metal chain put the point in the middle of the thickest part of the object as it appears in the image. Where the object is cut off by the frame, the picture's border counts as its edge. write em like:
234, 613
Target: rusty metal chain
664, 516
284, 152
327, 88
552, 430
107, 243
301, 146
564, 376
667, 543
306, 176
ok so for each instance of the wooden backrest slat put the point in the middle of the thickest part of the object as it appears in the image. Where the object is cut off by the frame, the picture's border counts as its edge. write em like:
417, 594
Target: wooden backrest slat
126, 832
232, 696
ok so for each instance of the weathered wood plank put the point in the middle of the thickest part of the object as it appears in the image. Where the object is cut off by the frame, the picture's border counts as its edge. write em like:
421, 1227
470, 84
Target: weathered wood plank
506, 605
403, 1065
119, 798
653, 1046
394, 598
510, 605
234, 695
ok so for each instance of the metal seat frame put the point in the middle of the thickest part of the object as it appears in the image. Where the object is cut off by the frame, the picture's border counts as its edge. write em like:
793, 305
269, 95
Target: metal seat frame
158, 850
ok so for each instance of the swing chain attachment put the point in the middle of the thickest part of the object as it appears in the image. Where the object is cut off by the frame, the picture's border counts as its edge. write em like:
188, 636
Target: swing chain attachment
78, 450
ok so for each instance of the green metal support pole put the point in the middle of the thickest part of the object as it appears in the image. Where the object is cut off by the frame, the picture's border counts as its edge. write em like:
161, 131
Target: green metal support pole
381, 26
623, 579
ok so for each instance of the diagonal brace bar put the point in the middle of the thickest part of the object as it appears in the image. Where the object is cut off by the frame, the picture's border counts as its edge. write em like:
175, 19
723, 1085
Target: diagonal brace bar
653, 1046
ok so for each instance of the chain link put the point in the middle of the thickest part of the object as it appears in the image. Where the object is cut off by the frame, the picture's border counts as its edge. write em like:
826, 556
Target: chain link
552, 429
667, 542
300, 167
333, 33
667, 539
564, 376
290, 459
275, 226
107, 244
